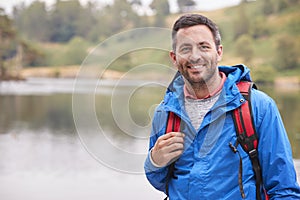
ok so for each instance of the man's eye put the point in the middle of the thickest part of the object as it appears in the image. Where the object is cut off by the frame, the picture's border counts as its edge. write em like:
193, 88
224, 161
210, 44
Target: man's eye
204, 47
185, 49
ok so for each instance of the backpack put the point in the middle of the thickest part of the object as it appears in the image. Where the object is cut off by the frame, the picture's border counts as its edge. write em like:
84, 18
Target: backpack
246, 137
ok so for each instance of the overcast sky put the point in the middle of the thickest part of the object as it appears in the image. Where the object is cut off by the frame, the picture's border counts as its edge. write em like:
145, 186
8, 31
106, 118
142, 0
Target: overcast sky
203, 4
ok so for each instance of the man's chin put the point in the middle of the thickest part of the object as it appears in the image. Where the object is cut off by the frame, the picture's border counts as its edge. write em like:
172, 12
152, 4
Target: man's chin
196, 80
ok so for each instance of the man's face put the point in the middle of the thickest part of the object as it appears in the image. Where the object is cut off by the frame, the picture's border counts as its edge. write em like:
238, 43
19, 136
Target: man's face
196, 56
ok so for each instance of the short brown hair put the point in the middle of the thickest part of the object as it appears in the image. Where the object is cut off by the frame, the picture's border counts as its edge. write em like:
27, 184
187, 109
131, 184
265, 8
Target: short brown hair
189, 20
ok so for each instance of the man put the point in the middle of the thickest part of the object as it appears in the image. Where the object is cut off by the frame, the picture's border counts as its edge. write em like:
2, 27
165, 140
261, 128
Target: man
203, 95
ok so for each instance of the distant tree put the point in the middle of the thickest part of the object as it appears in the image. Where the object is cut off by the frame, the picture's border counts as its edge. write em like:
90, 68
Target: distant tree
259, 28
119, 16
242, 23
18, 12
286, 53
161, 9
86, 20
280, 5
12, 48
160, 6
7, 41
186, 5
244, 48
76, 51
29, 54
263, 74
137, 2
294, 26
293, 2
64, 20
33, 21
267, 7
136, 5
57, 24
101, 29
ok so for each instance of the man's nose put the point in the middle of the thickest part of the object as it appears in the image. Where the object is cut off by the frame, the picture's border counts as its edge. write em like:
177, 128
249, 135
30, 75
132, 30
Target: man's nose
195, 56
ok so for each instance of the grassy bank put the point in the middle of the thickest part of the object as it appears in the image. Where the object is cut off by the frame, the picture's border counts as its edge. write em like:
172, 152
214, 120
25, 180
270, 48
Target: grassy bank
280, 82
62, 72
118, 52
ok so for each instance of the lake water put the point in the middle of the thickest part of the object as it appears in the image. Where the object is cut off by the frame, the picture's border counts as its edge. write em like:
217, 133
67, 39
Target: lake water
58, 141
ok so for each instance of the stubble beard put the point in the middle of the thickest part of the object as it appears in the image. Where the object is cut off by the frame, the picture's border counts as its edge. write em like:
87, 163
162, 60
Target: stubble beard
204, 79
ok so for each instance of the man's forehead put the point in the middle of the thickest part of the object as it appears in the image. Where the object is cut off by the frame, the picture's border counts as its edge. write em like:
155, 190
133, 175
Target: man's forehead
202, 29
194, 34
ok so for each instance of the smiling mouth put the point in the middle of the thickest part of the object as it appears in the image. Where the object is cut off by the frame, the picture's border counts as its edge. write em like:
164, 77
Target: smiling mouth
196, 67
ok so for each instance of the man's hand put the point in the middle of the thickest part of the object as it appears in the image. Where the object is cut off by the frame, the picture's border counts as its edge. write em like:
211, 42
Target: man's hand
167, 148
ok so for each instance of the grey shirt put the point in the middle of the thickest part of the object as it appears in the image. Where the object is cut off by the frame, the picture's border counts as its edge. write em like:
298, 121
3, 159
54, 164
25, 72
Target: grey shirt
197, 108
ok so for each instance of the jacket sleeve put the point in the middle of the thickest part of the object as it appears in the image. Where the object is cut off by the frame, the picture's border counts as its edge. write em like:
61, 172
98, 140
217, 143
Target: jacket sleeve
278, 171
156, 175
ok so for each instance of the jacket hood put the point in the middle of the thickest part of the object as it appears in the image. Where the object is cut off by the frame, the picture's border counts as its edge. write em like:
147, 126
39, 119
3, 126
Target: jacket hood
236, 73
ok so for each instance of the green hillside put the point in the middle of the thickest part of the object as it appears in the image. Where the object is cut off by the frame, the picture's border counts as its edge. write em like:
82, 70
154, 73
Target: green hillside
264, 35
268, 43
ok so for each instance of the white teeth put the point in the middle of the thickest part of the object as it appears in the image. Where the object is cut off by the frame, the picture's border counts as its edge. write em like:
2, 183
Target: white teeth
196, 67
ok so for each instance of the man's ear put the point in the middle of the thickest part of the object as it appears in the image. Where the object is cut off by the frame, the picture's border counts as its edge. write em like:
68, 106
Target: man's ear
172, 57
220, 52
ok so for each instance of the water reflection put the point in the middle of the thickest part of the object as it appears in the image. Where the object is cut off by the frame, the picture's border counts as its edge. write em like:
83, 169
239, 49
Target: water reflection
50, 166
43, 158
36, 112
288, 103
41, 152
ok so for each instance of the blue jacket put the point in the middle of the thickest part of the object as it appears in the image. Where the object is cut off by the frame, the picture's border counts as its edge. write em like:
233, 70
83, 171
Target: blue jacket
208, 168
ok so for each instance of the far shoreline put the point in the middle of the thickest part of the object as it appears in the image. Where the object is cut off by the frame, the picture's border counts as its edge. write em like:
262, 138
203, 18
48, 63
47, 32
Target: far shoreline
280, 83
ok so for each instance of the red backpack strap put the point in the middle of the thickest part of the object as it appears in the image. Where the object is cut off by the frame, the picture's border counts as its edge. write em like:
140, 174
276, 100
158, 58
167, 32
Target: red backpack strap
246, 133
173, 125
244, 123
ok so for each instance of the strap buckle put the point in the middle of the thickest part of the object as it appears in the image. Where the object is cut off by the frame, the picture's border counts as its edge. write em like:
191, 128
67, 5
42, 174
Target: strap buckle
253, 153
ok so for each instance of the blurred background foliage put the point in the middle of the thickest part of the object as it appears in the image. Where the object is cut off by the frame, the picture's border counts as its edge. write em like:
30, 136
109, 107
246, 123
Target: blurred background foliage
262, 34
